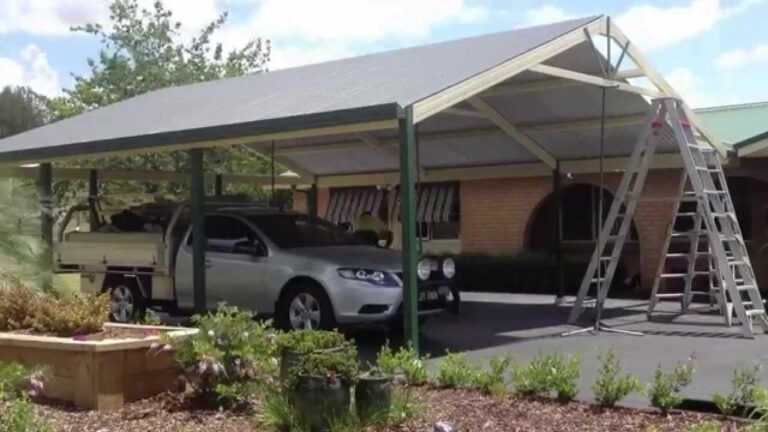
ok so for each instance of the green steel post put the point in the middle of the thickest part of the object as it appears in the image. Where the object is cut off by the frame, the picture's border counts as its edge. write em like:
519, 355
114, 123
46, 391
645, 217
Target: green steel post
93, 195
218, 187
407, 135
197, 213
558, 219
312, 200
45, 191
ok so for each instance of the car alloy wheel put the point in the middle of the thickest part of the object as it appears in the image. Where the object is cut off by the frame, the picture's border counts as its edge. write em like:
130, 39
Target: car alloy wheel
304, 312
122, 303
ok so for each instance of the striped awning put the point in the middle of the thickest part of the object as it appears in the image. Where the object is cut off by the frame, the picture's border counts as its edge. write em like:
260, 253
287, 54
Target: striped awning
433, 202
345, 204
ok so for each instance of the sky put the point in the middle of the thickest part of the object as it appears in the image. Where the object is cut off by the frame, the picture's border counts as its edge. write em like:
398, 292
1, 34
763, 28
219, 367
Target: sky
713, 52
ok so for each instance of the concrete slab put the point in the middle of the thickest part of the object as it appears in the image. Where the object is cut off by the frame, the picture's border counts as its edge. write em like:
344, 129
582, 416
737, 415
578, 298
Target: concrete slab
524, 325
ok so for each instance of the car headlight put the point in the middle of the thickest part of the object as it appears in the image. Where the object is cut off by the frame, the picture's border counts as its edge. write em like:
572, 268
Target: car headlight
424, 269
449, 268
376, 277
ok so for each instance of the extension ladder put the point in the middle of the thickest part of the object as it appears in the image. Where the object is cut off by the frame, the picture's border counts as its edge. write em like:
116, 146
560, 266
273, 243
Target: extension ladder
732, 279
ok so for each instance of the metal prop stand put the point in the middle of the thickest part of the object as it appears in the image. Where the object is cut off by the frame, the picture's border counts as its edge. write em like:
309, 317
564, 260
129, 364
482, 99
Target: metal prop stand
602, 292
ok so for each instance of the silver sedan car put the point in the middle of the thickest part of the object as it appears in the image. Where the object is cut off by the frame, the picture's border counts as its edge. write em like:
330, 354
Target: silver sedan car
306, 272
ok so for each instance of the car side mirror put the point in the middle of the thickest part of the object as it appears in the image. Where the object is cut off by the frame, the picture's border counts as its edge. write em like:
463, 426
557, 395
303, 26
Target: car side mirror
252, 248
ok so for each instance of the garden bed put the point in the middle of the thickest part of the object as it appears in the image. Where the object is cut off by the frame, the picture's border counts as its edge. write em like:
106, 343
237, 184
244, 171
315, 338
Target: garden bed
466, 410
98, 371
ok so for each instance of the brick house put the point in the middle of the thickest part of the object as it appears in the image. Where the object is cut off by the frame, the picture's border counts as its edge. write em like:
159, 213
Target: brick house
513, 214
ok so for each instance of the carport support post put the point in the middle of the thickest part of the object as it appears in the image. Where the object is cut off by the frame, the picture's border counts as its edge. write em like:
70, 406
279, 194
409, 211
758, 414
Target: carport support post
407, 133
557, 187
197, 216
45, 192
218, 187
312, 200
93, 195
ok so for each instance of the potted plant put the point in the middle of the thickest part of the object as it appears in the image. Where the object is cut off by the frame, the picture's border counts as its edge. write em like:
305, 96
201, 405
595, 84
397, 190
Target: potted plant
322, 386
373, 394
293, 346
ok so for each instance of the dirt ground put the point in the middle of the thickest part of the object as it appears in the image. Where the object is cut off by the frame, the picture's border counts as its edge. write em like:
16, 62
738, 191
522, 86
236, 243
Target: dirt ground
465, 410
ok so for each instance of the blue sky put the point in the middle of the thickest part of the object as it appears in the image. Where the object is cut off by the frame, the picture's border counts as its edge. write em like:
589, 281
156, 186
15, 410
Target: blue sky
712, 51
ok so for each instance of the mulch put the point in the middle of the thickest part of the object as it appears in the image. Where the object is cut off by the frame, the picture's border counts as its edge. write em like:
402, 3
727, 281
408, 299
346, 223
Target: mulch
106, 333
465, 410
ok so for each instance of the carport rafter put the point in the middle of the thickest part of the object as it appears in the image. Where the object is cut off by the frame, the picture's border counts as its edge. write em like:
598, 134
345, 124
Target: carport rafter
594, 80
509, 129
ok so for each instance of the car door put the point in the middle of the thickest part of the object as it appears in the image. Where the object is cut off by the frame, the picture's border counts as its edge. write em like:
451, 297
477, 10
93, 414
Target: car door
234, 261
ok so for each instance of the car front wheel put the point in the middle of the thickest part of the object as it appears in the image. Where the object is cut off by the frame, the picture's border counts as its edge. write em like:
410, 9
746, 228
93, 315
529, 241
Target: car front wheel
305, 307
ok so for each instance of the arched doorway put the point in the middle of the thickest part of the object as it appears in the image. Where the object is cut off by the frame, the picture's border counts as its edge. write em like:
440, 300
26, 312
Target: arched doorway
580, 229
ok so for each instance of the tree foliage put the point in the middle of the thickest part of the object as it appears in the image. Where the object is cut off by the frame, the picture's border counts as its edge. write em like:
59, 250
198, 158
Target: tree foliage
144, 50
21, 109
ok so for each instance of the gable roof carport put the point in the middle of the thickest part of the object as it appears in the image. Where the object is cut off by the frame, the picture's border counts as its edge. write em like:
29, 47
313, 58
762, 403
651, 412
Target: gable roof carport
515, 103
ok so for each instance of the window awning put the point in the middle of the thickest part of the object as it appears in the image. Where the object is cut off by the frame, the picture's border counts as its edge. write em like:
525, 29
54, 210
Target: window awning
433, 202
345, 204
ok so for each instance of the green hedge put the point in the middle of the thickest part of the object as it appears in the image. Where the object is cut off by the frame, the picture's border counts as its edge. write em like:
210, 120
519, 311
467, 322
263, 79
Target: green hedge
525, 272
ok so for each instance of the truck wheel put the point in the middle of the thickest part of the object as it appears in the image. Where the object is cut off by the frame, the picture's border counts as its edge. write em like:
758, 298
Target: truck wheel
305, 306
125, 298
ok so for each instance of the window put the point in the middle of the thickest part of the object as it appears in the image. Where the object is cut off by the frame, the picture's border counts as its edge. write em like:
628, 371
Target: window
223, 232
298, 230
438, 211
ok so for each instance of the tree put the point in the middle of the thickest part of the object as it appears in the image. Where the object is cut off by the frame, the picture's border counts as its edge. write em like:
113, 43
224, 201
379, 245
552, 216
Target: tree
143, 50
21, 109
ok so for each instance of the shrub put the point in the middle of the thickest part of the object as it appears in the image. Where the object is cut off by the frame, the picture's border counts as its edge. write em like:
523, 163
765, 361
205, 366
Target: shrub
535, 379
19, 305
23, 308
610, 387
18, 416
565, 376
707, 426
744, 384
279, 414
306, 341
664, 392
491, 380
453, 371
230, 356
405, 361
16, 379
339, 363
72, 315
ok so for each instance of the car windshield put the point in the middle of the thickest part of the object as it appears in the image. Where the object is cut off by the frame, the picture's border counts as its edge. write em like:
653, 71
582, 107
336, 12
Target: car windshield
296, 230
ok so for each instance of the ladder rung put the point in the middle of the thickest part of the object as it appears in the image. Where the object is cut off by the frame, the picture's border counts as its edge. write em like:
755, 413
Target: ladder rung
715, 192
753, 312
678, 255
701, 273
743, 288
687, 214
669, 295
688, 233
672, 275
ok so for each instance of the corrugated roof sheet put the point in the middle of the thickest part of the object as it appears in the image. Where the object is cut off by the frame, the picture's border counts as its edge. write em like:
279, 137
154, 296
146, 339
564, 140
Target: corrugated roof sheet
242, 106
736, 123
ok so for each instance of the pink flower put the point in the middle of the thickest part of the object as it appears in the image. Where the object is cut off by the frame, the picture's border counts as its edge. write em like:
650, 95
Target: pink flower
151, 332
79, 338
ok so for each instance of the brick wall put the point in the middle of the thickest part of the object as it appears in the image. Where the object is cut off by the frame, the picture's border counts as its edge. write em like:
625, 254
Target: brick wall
495, 213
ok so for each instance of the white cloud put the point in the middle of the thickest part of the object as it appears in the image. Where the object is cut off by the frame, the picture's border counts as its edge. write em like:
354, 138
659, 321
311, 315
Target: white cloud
358, 20
32, 70
654, 27
740, 57
687, 84
546, 14
49, 17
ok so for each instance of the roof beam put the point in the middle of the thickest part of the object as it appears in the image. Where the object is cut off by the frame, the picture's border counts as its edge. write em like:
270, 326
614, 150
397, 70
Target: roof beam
499, 120
483, 132
513, 170
464, 113
655, 77
392, 151
286, 163
152, 176
629, 73
594, 80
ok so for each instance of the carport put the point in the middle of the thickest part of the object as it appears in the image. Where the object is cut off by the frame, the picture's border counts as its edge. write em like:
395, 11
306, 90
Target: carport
539, 100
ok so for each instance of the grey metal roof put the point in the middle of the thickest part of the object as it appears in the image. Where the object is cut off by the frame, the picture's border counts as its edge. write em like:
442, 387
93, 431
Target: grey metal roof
366, 88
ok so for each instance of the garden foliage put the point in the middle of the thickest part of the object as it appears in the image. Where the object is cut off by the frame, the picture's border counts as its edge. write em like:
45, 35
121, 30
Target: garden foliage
664, 392
744, 384
405, 361
611, 386
230, 357
22, 308
17, 384
453, 371
492, 379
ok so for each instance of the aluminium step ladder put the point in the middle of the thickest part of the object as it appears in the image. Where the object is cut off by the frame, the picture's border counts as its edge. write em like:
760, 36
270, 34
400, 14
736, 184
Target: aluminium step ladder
714, 220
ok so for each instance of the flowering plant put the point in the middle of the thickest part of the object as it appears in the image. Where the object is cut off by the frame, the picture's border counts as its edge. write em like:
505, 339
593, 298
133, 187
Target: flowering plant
230, 357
